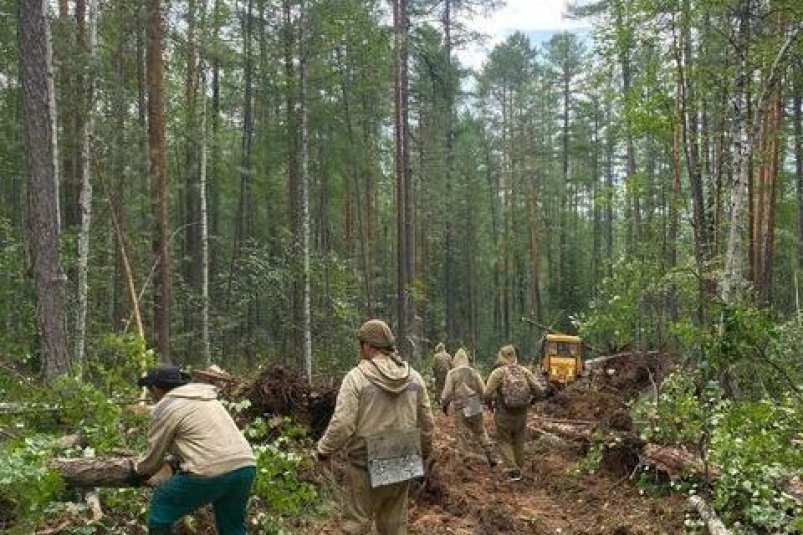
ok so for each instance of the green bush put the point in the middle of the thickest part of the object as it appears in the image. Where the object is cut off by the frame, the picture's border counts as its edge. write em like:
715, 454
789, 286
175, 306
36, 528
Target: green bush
279, 464
752, 446
27, 486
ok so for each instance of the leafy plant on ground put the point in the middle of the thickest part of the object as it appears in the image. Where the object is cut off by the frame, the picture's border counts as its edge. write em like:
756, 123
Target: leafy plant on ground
278, 487
27, 486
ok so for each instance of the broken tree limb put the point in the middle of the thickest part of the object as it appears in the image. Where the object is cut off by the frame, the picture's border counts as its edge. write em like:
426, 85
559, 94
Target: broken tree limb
94, 472
565, 430
709, 516
591, 363
93, 503
115, 473
675, 461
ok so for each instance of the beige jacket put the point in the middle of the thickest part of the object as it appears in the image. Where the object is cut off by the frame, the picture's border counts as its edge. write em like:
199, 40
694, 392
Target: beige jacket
192, 424
462, 382
380, 394
492, 388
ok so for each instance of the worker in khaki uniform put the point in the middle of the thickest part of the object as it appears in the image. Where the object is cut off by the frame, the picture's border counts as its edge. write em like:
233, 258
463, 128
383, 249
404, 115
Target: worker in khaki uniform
509, 391
213, 462
382, 394
441, 364
465, 390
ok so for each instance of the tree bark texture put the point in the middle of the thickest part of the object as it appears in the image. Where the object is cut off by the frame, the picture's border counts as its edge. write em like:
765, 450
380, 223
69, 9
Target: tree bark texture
158, 176
39, 136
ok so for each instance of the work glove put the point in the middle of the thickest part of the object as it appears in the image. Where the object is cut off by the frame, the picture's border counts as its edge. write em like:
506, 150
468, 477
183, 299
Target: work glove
134, 478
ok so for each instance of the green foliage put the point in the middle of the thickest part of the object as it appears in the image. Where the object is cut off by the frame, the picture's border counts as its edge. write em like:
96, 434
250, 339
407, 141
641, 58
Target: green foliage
614, 317
278, 484
749, 444
753, 444
26, 484
115, 361
680, 415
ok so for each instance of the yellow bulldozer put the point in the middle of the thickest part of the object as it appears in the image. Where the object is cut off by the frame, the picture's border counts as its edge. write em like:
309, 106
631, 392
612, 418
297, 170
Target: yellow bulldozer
561, 358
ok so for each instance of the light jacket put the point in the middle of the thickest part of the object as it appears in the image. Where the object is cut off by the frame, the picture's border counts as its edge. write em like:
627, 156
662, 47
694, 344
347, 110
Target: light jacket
192, 424
462, 382
493, 387
379, 394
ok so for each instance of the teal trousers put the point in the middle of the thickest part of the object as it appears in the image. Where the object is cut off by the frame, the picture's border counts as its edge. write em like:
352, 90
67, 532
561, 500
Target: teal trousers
184, 493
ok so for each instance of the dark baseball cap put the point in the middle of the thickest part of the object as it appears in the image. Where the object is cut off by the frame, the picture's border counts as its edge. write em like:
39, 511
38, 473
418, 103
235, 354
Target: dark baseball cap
164, 376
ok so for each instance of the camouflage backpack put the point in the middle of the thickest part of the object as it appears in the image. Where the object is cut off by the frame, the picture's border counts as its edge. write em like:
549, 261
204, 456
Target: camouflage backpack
515, 388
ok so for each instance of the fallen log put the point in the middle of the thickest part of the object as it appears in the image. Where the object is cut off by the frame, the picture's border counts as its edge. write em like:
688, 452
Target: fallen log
114, 473
709, 516
580, 432
675, 461
85, 473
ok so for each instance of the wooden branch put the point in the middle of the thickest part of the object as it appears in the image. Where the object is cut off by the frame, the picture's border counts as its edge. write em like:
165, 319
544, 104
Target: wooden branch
709, 516
674, 460
86, 473
591, 363
93, 503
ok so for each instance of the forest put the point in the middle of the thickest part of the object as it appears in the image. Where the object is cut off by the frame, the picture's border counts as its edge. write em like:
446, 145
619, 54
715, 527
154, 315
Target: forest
242, 183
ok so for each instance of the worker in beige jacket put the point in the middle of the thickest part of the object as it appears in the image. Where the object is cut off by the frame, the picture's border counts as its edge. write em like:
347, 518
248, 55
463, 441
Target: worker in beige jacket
510, 389
380, 396
465, 391
214, 462
441, 364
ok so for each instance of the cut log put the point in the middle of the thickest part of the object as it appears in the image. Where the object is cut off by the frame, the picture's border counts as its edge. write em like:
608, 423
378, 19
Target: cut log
709, 516
675, 461
571, 431
85, 473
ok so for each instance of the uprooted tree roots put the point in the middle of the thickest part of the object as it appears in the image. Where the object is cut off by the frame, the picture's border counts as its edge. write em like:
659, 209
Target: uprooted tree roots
281, 390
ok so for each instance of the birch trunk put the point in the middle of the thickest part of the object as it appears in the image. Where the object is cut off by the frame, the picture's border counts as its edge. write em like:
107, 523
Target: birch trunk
306, 318
86, 86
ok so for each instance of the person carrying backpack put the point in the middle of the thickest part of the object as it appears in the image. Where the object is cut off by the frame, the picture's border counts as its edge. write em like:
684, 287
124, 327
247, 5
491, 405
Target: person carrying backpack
510, 390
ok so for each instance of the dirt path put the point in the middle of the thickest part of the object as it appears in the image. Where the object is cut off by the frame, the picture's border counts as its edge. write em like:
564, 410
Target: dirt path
553, 497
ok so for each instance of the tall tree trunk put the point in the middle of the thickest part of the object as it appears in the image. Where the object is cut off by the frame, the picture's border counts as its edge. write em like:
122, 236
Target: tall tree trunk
39, 137
206, 346
403, 242
87, 39
156, 151
798, 128
306, 316
191, 260
451, 321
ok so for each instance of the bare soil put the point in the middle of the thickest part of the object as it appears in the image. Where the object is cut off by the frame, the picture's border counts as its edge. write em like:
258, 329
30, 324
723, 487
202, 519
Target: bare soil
555, 496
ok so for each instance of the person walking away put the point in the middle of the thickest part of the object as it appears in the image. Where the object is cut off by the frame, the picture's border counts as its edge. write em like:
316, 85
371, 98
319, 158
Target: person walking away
441, 364
383, 421
465, 390
510, 390
212, 460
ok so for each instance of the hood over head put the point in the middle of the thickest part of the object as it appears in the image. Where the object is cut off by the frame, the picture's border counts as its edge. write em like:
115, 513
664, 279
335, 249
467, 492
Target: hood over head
387, 371
460, 358
377, 334
507, 355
